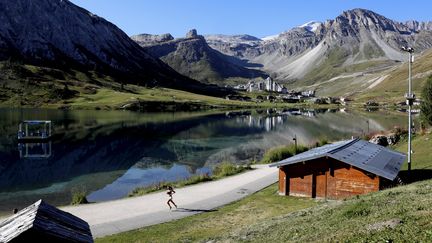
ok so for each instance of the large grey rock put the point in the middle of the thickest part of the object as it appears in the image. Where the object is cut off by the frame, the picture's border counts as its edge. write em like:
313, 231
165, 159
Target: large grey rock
385, 140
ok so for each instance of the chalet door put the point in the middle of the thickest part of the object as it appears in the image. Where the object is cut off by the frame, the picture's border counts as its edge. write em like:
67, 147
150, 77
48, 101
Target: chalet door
314, 185
319, 184
283, 182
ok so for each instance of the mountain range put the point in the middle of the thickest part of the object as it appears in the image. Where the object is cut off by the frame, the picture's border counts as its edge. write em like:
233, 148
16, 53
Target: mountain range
354, 53
338, 56
193, 57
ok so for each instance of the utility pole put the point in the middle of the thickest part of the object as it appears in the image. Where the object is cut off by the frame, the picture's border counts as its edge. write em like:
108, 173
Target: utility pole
368, 127
410, 97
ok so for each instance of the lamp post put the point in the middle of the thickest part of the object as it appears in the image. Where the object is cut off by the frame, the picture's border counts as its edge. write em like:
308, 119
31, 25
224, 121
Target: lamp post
368, 127
295, 143
410, 97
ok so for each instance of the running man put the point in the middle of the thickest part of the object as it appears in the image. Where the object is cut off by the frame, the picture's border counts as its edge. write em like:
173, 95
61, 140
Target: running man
170, 192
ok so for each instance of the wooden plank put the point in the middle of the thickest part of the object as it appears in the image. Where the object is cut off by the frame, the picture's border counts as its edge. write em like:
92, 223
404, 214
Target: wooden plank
350, 181
282, 182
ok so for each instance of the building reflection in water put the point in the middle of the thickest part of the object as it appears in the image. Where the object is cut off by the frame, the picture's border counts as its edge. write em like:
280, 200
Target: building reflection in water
35, 150
270, 119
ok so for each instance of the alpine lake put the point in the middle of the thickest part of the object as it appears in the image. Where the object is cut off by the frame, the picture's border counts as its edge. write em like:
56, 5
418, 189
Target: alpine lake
109, 153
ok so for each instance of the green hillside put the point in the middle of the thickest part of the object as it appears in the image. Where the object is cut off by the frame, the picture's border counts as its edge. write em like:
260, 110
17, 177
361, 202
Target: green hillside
394, 87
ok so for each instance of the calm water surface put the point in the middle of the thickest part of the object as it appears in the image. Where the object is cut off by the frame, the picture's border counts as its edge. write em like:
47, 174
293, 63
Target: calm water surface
109, 153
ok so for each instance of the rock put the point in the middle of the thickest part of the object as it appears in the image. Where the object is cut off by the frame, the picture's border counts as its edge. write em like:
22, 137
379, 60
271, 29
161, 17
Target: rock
392, 223
385, 140
380, 140
192, 34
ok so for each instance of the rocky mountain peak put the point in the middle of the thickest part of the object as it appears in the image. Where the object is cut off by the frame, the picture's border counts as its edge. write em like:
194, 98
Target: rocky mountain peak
192, 34
358, 18
419, 26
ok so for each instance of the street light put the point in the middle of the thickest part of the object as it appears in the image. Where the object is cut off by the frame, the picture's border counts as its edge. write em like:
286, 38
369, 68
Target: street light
410, 97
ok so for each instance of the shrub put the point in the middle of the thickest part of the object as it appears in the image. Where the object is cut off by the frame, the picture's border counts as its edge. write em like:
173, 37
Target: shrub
226, 169
280, 153
426, 105
79, 196
321, 142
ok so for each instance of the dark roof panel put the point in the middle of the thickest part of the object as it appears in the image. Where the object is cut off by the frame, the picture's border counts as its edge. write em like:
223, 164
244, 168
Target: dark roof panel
313, 153
359, 153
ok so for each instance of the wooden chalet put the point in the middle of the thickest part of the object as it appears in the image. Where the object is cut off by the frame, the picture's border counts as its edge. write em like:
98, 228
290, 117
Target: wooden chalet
339, 170
42, 222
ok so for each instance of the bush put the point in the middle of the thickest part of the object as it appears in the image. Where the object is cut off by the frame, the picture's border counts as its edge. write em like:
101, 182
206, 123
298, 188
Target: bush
321, 142
280, 153
226, 169
426, 105
79, 196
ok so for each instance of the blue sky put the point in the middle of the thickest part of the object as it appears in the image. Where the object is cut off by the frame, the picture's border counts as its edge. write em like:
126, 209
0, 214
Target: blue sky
255, 17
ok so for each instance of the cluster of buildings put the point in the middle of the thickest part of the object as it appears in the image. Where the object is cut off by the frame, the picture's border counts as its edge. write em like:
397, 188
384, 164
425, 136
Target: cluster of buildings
266, 85
269, 85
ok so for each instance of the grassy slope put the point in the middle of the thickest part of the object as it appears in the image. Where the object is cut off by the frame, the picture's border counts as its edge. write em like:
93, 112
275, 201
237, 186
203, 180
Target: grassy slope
267, 217
333, 77
31, 86
395, 85
360, 219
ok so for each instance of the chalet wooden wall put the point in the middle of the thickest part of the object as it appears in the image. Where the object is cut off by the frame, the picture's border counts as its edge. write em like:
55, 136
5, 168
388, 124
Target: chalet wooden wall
325, 178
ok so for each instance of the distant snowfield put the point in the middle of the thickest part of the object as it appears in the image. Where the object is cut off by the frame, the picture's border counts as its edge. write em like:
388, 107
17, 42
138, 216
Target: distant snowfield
311, 25
269, 38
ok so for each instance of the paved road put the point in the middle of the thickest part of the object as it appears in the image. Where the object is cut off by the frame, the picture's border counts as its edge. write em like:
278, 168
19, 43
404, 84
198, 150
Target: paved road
113, 217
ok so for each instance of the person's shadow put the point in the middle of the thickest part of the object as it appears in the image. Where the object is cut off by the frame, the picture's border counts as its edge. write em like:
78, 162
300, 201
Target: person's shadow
194, 210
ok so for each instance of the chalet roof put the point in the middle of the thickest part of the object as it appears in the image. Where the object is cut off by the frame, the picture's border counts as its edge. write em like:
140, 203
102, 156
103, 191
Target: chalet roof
370, 157
41, 222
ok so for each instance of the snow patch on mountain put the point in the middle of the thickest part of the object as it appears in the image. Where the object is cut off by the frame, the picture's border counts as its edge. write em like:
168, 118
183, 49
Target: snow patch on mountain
269, 38
311, 25
233, 39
